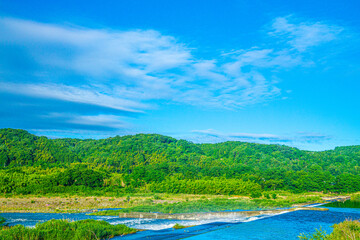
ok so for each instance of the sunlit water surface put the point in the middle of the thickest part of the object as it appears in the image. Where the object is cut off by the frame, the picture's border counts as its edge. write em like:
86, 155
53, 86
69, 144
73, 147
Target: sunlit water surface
287, 225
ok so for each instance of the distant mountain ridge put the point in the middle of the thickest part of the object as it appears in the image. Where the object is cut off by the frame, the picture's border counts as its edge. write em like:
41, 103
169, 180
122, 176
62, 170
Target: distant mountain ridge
19, 147
154, 158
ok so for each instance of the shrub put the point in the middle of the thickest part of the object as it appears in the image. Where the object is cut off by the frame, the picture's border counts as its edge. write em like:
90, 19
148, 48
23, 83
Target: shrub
266, 195
255, 194
156, 197
2, 221
64, 230
178, 226
342, 231
318, 235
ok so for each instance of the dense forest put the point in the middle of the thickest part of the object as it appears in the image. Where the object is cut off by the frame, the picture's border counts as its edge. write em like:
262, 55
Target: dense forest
150, 162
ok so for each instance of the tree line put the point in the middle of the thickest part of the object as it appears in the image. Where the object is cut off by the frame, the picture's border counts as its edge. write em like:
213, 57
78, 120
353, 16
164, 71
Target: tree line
152, 162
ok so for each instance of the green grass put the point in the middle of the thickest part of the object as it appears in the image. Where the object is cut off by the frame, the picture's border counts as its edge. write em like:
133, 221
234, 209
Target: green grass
2, 221
213, 205
69, 203
178, 226
346, 204
354, 202
347, 230
65, 230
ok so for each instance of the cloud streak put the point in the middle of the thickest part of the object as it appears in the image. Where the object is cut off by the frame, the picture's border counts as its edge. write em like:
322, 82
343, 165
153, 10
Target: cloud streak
212, 136
303, 35
72, 94
134, 70
146, 65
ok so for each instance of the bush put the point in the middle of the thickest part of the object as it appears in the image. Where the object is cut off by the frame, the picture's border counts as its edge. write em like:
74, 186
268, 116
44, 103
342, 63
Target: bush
214, 186
156, 197
178, 226
346, 230
342, 231
318, 235
266, 195
64, 230
212, 205
2, 221
255, 194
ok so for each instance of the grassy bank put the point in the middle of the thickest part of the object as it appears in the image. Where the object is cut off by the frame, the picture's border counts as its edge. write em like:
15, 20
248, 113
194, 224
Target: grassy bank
347, 230
159, 202
65, 230
354, 202
215, 204
59, 204
69, 204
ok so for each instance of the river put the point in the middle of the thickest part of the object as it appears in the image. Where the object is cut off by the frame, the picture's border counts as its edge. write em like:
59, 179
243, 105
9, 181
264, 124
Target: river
287, 225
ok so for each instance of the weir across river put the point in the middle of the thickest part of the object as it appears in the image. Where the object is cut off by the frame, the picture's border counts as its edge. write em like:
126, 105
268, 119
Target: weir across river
212, 215
228, 214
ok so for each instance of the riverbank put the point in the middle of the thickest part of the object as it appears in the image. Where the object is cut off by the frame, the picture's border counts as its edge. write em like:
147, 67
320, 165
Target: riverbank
190, 210
148, 202
351, 202
74, 204
278, 226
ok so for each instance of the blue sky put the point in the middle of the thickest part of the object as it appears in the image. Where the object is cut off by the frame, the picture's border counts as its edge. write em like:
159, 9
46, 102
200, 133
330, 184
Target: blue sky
283, 72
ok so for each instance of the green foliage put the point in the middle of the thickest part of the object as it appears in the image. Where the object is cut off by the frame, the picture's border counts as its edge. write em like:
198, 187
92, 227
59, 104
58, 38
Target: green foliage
318, 235
205, 205
178, 226
354, 202
120, 165
346, 230
2, 221
65, 230
255, 194
345, 204
20, 148
81, 176
208, 186
342, 231
274, 196
156, 197
355, 197
37, 180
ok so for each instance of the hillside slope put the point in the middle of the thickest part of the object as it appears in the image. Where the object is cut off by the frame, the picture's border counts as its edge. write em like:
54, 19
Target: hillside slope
153, 158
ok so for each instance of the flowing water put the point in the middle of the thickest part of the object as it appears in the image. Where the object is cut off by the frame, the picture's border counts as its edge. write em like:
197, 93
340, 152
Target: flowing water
287, 225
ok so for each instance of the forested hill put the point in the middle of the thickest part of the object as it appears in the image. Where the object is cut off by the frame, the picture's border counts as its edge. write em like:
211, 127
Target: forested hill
151, 158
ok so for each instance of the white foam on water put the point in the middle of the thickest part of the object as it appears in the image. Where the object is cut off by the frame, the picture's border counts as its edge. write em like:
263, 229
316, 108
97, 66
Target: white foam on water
108, 217
250, 219
17, 220
158, 224
155, 226
144, 223
315, 205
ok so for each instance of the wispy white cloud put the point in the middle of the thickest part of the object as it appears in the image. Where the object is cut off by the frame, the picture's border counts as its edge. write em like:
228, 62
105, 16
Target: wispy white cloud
310, 137
146, 65
77, 133
85, 95
130, 70
211, 136
303, 35
101, 120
